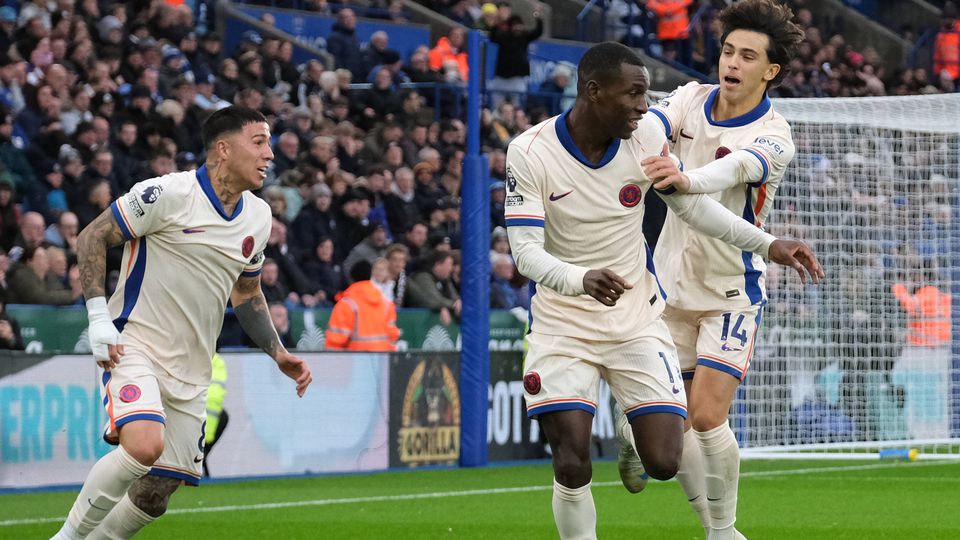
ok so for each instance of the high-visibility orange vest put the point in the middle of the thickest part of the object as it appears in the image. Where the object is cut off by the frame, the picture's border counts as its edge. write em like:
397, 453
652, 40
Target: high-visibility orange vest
946, 53
363, 320
444, 51
928, 312
672, 18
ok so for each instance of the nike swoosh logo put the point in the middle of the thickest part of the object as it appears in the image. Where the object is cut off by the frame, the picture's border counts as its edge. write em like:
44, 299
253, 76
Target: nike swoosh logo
193, 231
558, 197
198, 459
693, 499
676, 390
685, 136
714, 500
95, 506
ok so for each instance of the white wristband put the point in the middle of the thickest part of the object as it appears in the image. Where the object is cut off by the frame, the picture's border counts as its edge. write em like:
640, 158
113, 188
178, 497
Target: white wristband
97, 308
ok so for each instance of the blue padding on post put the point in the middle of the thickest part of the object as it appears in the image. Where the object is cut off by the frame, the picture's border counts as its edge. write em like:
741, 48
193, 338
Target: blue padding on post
475, 291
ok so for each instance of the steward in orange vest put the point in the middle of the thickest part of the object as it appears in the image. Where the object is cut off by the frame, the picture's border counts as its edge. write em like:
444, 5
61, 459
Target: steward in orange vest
928, 312
946, 50
672, 18
363, 319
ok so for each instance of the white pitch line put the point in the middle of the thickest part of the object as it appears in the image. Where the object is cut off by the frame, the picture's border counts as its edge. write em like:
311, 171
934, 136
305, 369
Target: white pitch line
467, 493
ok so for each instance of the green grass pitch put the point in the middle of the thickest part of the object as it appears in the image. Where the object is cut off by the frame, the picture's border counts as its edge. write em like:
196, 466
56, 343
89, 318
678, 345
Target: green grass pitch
778, 500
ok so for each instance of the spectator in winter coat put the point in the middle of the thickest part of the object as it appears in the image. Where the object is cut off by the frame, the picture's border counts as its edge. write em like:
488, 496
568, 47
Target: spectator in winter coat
29, 284
433, 289
344, 45
513, 62
321, 269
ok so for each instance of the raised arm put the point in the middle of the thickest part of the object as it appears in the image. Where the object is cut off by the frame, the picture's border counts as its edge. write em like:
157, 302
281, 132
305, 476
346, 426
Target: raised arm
250, 307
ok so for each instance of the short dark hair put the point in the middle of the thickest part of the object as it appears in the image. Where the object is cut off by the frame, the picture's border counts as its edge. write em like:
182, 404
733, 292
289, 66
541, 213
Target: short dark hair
602, 63
361, 271
772, 19
413, 224
30, 252
436, 257
228, 120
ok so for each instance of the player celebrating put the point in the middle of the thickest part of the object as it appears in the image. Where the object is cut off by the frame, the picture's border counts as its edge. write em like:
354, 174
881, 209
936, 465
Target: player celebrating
739, 149
574, 218
193, 240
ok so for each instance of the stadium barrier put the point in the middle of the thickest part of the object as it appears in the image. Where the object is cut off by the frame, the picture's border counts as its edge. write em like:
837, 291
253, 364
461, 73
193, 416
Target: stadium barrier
48, 330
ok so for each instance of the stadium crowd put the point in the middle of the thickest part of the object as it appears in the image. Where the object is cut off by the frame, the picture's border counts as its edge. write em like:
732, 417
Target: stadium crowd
96, 96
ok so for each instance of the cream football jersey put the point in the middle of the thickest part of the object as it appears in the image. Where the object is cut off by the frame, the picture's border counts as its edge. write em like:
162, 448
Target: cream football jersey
591, 215
697, 271
183, 256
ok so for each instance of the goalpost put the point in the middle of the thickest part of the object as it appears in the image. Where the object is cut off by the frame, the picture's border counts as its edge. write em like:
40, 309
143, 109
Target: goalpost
869, 361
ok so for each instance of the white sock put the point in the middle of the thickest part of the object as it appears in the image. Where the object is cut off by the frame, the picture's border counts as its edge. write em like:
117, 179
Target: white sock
124, 521
721, 464
692, 477
574, 512
105, 485
66, 532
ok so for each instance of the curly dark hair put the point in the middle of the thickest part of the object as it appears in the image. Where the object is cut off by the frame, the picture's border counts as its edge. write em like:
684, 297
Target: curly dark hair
767, 17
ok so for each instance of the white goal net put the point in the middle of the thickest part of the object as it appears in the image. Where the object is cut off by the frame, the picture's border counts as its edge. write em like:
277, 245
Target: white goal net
869, 360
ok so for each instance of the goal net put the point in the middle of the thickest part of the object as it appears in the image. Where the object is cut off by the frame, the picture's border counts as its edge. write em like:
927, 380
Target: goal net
870, 360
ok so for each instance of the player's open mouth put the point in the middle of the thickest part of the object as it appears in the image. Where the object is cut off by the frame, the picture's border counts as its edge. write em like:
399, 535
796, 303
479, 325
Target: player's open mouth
263, 172
731, 80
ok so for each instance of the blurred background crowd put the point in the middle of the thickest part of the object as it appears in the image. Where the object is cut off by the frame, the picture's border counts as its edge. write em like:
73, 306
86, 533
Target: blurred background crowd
96, 96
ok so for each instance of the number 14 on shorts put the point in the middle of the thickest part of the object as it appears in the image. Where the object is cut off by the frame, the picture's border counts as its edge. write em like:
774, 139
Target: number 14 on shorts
736, 333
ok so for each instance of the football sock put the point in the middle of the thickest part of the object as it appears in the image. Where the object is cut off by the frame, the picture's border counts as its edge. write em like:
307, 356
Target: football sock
574, 512
692, 477
721, 463
124, 521
105, 485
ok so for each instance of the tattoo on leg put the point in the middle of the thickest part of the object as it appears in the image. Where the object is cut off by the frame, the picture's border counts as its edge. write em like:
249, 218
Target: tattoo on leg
151, 493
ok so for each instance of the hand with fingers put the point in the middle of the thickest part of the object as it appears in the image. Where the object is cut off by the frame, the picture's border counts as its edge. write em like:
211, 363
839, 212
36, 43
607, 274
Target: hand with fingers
664, 172
798, 256
103, 335
605, 286
296, 369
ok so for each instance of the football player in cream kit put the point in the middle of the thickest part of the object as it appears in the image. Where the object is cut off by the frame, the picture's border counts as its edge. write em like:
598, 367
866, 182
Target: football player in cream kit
574, 210
735, 147
193, 240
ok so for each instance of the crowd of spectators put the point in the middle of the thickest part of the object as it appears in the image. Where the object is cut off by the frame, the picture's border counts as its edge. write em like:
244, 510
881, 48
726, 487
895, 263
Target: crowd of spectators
685, 31
96, 96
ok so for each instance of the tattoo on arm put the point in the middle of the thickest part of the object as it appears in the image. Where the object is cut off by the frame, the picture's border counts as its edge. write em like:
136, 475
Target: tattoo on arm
92, 244
252, 311
151, 493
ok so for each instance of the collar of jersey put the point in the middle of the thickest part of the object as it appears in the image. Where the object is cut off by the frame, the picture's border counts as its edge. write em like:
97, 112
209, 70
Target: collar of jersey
755, 114
204, 178
567, 142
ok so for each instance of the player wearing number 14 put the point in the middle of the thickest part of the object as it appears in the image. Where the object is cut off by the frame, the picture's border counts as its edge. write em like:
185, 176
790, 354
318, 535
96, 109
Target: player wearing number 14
735, 147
